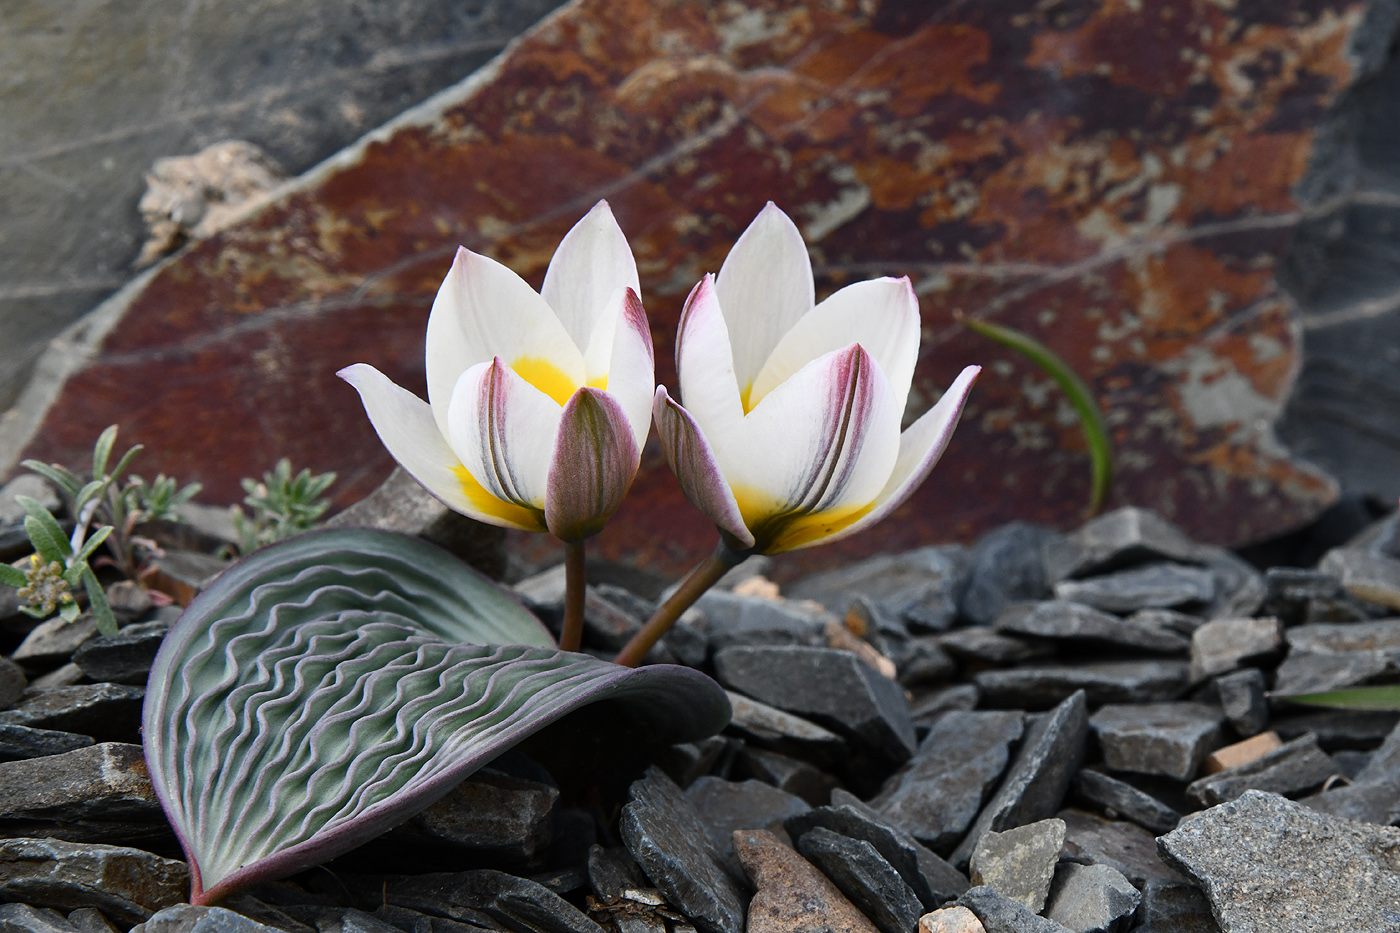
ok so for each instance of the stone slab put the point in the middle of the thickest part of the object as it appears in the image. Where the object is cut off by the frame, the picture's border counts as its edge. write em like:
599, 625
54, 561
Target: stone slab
1089, 176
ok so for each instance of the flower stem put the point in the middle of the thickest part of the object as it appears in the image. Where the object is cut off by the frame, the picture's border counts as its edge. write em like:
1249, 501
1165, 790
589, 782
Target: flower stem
575, 581
705, 575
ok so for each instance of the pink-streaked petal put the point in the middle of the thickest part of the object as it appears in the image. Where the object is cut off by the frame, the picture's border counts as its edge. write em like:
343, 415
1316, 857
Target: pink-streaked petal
484, 310
503, 429
631, 375
705, 362
693, 461
882, 315
595, 459
824, 441
922, 443
764, 287
592, 263
405, 424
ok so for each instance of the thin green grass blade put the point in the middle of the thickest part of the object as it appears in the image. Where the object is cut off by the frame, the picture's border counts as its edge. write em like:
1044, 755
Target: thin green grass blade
1079, 395
1361, 698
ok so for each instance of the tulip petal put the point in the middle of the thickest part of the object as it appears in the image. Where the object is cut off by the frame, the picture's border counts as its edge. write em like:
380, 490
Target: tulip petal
484, 310
693, 461
882, 315
405, 425
764, 287
631, 374
815, 453
920, 446
705, 362
595, 459
592, 263
503, 429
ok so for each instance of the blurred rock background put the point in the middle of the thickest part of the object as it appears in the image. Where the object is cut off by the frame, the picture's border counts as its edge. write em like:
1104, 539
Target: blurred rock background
92, 92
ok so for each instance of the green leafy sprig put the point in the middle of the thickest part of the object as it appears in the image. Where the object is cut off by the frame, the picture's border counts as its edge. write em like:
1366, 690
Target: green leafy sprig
281, 505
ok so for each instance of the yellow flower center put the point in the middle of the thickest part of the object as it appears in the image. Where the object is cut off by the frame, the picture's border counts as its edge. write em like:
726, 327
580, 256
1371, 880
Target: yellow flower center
480, 497
777, 531
545, 376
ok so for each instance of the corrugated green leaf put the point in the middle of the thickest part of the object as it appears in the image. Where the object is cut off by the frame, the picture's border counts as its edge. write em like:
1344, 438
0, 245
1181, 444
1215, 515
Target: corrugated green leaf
331, 686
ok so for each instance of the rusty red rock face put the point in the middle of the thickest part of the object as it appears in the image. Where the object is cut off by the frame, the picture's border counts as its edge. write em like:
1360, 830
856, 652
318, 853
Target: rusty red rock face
1112, 178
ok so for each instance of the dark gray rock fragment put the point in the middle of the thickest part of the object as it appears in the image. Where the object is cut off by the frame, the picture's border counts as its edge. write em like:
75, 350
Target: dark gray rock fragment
1329, 657
1267, 863
980, 645
923, 661
54, 640
1222, 645
771, 728
687, 761
1338, 728
1123, 846
414, 921
1292, 768
1038, 778
1174, 907
1019, 863
864, 876
188, 918
97, 794
1374, 794
91, 920
1066, 620
1043, 685
834, 688
669, 841
1289, 590
937, 795
514, 903
1121, 538
751, 621
612, 871
126, 884
1092, 899
929, 707
932, 880
1151, 586
1125, 800
1183, 623
788, 774
1170, 739
1366, 575
726, 806
123, 658
332, 920
21, 918
919, 586
1001, 914
1242, 700
106, 712
493, 815
12, 682
1005, 566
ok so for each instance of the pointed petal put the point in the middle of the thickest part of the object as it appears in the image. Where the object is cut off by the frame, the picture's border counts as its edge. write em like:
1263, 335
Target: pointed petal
631, 374
595, 459
503, 430
484, 310
922, 443
705, 362
405, 424
882, 315
693, 461
592, 262
816, 452
764, 287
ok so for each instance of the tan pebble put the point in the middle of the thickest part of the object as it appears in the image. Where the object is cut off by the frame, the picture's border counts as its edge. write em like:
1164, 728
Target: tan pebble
840, 637
793, 896
951, 920
759, 586
1241, 753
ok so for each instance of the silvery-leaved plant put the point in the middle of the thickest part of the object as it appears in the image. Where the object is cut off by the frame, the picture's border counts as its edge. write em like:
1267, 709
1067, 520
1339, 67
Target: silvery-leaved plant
538, 403
789, 432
